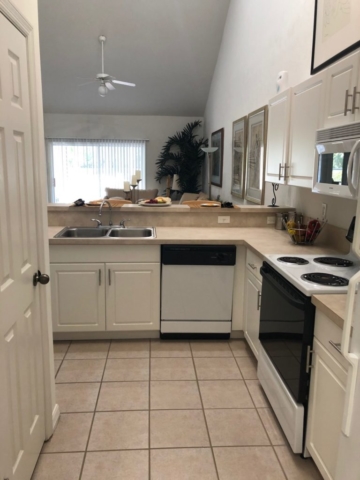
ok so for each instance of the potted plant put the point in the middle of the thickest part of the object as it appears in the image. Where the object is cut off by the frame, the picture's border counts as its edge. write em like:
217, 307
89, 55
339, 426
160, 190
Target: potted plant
182, 155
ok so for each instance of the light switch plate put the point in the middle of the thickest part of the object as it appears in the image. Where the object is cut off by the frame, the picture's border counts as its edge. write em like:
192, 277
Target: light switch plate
270, 220
223, 219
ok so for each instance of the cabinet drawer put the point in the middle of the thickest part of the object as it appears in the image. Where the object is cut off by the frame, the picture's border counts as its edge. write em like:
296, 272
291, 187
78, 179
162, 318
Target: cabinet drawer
253, 263
327, 331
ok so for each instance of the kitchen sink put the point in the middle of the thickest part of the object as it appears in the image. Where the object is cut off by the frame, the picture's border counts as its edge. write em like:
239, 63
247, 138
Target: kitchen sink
83, 232
132, 232
106, 232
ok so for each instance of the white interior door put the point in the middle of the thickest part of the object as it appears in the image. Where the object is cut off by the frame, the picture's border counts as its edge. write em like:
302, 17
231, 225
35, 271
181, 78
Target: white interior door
21, 369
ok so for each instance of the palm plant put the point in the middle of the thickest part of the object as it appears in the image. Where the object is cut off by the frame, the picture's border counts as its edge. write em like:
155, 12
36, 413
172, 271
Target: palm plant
182, 155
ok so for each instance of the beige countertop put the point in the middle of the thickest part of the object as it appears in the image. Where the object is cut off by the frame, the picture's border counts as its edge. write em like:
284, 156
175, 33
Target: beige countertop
333, 306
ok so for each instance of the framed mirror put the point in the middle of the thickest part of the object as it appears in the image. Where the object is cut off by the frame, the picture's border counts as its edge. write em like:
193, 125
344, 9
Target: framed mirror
255, 155
238, 157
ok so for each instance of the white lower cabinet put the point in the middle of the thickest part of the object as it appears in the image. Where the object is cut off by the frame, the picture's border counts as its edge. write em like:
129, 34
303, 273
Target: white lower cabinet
78, 297
105, 288
133, 296
252, 311
326, 402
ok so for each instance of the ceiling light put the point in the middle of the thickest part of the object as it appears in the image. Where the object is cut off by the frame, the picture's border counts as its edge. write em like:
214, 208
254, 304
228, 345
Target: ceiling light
102, 90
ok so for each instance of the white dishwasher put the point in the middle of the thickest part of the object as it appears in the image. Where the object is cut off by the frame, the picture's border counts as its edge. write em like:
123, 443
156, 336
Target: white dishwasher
197, 290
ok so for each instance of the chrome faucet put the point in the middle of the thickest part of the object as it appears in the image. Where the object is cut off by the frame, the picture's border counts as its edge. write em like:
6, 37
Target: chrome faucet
97, 221
122, 223
110, 210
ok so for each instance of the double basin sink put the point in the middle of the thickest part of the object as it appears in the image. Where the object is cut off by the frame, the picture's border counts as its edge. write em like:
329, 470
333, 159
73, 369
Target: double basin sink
107, 232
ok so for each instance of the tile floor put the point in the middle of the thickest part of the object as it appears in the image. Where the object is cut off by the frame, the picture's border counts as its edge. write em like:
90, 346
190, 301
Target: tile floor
139, 410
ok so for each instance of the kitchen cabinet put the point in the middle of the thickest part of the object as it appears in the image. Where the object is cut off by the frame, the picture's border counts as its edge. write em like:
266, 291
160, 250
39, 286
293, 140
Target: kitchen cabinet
279, 110
342, 92
252, 301
105, 288
132, 296
307, 106
327, 397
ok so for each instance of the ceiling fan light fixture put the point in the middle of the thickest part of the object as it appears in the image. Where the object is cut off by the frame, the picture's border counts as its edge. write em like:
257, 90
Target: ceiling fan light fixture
102, 90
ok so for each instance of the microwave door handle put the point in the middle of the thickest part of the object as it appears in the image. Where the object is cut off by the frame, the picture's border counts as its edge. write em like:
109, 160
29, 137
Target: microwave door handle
352, 187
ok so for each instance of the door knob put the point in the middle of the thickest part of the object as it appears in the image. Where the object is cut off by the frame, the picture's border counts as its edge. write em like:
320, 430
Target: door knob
40, 278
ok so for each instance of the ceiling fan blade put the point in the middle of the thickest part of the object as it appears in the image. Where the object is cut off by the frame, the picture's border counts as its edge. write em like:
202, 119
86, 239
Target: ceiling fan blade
86, 83
110, 86
124, 83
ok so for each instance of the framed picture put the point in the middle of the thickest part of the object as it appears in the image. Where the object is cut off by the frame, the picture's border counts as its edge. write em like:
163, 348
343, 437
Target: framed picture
217, 140
336, 31
238, 157
255, 157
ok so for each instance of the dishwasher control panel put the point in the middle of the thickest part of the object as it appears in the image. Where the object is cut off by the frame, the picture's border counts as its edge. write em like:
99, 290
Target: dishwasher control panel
198, 254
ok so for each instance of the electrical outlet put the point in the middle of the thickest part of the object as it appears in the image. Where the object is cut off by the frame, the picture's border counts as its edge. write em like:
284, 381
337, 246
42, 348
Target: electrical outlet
223, 219
270, 220
323, 211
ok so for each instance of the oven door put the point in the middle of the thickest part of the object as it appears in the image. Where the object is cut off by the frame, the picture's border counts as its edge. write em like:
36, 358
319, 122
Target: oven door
286, 331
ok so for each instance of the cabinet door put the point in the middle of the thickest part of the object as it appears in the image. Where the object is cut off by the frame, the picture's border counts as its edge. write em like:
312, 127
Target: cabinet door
341, 76
278, 137
326, 405
133, 296
252, 311
78, 297
306, 117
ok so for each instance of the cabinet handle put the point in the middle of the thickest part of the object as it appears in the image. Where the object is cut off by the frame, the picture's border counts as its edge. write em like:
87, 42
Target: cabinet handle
280, 167
109, 276
337, 346
347, 95
99, 276
286, 175
252, 265
354, 107
259, 301
308, 353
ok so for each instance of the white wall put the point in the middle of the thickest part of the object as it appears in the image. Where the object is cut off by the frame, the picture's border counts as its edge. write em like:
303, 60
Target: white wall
261, 38
156, 129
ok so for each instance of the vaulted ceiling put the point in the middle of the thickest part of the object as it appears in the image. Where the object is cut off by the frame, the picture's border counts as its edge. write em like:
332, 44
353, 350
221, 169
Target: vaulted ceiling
168, 48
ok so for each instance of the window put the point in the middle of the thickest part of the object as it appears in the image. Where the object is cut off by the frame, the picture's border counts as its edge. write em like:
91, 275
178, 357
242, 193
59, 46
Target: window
84, 168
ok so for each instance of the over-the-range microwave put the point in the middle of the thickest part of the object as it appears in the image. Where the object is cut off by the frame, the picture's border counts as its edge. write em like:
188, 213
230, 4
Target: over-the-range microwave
337, 162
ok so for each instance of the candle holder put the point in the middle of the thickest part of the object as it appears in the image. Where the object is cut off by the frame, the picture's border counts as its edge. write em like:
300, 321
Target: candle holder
133, 194
127, 194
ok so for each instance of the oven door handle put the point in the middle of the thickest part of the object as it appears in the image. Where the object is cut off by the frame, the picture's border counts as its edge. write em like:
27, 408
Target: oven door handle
281, 290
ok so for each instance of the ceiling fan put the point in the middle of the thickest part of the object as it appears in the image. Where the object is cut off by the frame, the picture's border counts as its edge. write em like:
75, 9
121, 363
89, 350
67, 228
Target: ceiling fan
106, 81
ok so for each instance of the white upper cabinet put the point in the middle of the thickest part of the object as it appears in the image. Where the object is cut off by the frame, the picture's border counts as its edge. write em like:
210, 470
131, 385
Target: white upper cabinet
278, 137
307, 108
342, 92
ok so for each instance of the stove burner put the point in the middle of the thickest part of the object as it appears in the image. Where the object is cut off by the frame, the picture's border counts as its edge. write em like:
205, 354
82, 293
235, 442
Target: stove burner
325, 279
293, 260
334, 262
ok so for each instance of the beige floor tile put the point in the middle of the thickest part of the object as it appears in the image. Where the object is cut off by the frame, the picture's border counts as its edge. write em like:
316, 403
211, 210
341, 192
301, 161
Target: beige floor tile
71, 434
247, 463
57, 364
240, 348
257, 394
131, 465
238, 427
58, 466
130, 349
166, 348
60, 349
295, 467
178, 428
127, 369
123, 396
182, 464
87, 350
272, 426
73, 371
248, 367
174, 395
172, 369
211, 349
120, 431
217, 369
225, 394
77, 397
